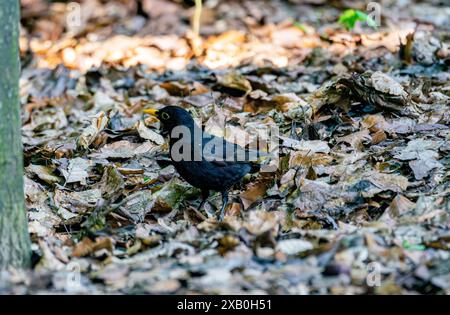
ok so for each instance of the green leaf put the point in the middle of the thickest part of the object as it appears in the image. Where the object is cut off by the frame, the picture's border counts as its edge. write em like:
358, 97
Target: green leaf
349, 18
301, 27
419, 247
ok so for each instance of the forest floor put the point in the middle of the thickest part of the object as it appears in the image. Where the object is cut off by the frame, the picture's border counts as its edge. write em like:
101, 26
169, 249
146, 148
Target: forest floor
358, 203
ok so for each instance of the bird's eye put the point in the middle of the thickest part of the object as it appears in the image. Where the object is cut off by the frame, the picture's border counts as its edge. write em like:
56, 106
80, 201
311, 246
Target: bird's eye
165, 116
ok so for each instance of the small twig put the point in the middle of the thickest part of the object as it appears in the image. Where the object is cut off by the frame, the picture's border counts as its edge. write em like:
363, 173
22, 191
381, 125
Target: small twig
197, 16
198, 213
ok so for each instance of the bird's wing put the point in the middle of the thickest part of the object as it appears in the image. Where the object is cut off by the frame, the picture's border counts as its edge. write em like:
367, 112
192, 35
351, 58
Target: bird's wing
215, 150
222, 152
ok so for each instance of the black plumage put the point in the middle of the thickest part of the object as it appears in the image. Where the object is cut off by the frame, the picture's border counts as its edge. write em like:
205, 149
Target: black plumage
203, 160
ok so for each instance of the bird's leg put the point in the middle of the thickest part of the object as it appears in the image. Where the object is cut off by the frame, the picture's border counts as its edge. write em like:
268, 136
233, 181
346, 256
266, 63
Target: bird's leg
224, 204
205, 195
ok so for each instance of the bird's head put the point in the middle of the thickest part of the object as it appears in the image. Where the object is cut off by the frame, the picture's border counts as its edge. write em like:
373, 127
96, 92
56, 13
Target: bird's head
171, 117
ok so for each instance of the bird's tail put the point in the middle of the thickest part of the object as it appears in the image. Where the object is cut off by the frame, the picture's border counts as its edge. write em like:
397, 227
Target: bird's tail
164, 162
255, 167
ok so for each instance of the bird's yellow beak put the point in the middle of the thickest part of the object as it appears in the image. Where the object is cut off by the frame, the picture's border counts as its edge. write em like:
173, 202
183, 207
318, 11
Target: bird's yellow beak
151, 111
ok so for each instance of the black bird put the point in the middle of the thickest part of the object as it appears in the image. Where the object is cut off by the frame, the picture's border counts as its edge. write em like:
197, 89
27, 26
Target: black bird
203, 160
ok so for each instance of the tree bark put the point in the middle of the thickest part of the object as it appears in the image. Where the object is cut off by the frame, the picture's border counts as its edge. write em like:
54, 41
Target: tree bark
14, 237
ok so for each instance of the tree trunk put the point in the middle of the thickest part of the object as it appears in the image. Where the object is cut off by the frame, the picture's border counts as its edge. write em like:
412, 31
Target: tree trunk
14, 238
